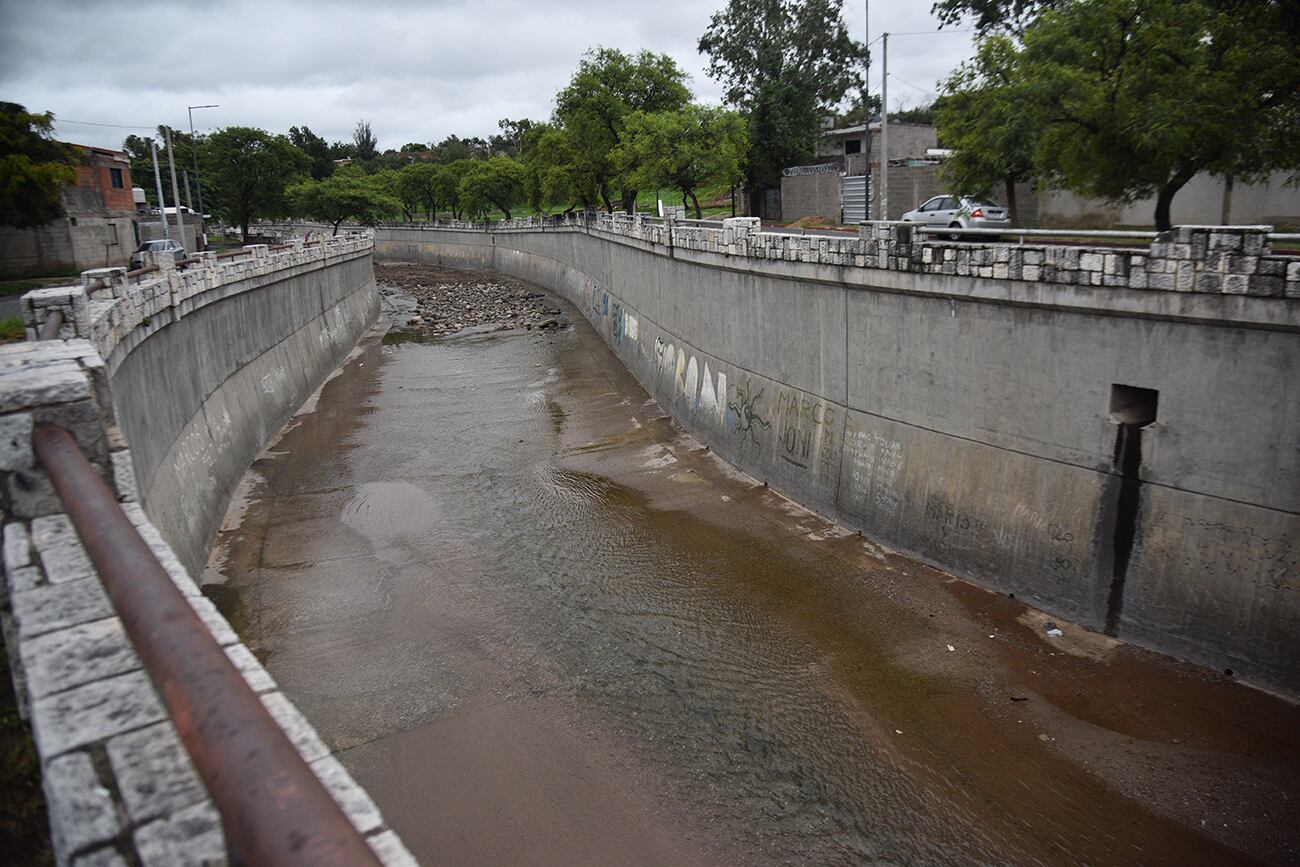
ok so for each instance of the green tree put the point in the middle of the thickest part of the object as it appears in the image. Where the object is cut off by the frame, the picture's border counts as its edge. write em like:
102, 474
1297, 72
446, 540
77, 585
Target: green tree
417, 188
989, 15
983, 118
342, 150
322, 161
1133, 98
513, 135
367, 146
498, 181
454, 148
249, 170
555, 173
785, 64
607, 86
683, 149
446, 187
348, 194
141, 160
34, 168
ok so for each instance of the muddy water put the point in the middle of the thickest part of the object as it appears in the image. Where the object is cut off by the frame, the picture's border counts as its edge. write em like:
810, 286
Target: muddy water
540, 625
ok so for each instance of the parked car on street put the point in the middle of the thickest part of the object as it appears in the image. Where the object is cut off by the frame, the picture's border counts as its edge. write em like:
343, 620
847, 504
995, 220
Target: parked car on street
959, 212
163, 246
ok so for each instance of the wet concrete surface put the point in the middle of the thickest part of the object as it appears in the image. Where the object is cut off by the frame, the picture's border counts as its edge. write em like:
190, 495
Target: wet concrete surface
541, 625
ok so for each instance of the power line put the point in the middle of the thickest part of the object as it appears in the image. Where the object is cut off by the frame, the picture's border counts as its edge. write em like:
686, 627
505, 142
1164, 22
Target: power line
911, 85
58, 119
921, 33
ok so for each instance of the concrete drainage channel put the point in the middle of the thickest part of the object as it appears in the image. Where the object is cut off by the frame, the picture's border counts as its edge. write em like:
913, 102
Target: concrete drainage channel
163, 386
977, 406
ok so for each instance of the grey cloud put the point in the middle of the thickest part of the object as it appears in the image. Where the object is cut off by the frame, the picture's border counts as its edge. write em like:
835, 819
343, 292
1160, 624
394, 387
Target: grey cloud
417, 70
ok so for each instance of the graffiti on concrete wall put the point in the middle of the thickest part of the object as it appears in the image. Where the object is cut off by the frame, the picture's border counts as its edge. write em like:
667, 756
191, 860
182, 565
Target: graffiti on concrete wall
745, 413
702, 392
806, 432
874, 472
622, 325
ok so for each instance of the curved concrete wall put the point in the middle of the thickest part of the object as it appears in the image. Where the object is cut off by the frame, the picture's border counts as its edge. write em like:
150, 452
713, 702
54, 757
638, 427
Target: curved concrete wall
198, 398
967, 420
189, 373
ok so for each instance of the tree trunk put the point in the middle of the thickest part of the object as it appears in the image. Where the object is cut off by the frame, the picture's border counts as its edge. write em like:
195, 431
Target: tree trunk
243, 231
699, 215
506, 211
629, 201
733, 200
336, 226
755, 207
1013, 212
1225, 217
1165, 198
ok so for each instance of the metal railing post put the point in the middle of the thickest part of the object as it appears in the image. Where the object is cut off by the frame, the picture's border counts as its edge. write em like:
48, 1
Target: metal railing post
274, 810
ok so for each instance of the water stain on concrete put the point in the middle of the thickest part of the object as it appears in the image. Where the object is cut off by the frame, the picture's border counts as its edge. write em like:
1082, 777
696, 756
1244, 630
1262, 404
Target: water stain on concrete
541, 625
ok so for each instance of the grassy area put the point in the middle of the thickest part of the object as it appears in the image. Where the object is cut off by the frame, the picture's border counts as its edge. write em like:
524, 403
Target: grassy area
11, 329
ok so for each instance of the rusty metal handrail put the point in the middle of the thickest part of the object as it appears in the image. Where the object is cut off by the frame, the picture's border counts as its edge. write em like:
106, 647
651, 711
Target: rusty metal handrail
52, 325
274, 810
142, 270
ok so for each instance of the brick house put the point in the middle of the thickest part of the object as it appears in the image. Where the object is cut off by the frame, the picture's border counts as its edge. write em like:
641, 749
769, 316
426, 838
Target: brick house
96, 230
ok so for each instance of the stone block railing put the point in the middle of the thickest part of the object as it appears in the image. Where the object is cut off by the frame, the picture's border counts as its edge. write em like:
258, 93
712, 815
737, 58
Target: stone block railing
119, 786
1230, 260
112, 303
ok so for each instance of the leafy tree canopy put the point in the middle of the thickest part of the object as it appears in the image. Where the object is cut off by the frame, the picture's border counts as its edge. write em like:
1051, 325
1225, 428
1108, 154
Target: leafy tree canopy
34, 168
785, 64
513, 135
315, 147
496, 182
141, 160
1127, 99
454, 148
988, 15
983, 118
367, 145
607, 86
683, 149
348, 194
249, 170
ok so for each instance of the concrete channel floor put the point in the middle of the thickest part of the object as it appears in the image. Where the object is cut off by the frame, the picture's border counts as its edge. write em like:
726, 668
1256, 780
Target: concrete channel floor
541, 625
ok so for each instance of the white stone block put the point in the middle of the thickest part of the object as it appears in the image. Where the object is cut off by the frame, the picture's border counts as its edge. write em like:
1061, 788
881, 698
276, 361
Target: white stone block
154, 774
94, 712
81, 809
68, 658
60, 549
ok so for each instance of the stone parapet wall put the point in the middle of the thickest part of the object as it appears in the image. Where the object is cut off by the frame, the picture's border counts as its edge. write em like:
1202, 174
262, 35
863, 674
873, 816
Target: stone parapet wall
119, 786
1232, 260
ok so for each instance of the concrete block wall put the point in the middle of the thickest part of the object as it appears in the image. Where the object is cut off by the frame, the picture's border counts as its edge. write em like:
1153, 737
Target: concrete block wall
118, 783
954, 401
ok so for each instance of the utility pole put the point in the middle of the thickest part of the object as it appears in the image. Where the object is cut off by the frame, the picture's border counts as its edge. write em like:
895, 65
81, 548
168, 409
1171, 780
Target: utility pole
157, 180
866, 106
176, 191
198, 179
884, 126
189, 194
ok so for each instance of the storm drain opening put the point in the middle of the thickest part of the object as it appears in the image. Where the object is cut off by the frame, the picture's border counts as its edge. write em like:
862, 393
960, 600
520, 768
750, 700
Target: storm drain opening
1132, 408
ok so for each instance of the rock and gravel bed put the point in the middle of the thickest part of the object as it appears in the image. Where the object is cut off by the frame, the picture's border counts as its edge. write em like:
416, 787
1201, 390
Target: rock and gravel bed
447, 300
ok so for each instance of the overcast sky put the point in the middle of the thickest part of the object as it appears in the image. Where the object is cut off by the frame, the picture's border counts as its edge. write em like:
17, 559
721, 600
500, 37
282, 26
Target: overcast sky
418, 70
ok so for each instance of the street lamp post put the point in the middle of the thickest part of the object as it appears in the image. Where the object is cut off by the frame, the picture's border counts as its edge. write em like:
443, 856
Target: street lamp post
198, 179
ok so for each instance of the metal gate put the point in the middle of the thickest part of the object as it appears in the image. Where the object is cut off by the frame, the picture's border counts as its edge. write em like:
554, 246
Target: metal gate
853, 199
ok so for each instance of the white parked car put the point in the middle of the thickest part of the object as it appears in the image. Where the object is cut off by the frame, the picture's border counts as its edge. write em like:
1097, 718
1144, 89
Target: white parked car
165, 245
959, 212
